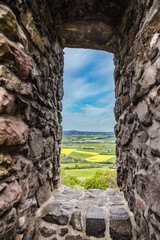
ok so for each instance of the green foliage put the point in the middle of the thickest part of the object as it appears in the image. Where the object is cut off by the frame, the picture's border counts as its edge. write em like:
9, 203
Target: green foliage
69, 181
102, 179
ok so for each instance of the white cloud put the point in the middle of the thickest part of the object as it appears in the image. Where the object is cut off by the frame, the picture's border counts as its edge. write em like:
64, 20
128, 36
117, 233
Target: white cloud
75, 59
98, 115
92, 119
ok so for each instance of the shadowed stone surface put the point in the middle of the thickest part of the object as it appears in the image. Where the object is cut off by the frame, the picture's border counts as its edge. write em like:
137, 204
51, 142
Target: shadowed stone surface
9, 79
120, 225
95, 217
47, 232
54, 215
8, 225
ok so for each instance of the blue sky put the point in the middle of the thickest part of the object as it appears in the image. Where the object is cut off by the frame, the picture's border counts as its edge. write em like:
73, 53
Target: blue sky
88, 90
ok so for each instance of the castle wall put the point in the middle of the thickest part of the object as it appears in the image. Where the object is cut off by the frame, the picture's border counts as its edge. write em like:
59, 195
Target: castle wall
31, 90
137, 78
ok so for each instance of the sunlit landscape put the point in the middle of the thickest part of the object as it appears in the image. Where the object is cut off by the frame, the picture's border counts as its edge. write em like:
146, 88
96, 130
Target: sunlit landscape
84, 157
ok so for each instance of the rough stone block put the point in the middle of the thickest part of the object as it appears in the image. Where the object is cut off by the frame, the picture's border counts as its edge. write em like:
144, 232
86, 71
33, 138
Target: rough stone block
76, 221
9, 196
7, 165
54, 215
48, 147
63, 232
149, 78
125, 102
120, 225
144, 114
36, 143
117, 109
47, 232
9, 26
95, 217
9, 79
8, 225
7, 102
71, 237
28, 22
59, 132
8, 50
12, 132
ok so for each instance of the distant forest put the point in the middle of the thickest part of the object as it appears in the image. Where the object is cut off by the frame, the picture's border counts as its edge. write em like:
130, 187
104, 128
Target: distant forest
74, 133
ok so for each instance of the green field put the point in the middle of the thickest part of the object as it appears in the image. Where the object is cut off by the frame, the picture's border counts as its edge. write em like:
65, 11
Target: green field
83, 173
82, 156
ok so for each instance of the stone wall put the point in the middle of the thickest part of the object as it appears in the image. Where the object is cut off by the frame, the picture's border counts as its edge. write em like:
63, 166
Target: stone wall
32, 37
137, 78
31, 90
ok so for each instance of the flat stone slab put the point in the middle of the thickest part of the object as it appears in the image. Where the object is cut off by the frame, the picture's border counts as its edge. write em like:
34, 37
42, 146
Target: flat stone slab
95, 222
120, 224
53, 214
84, 215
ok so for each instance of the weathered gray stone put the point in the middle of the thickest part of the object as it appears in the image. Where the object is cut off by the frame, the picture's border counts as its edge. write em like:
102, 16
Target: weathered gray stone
48, 147
95, 217
47, 232
76, 221
53, 214
117, 109
8, 225
73, 193
71, 237
63, 232
120, 225
36, 143
125, 102
143, 112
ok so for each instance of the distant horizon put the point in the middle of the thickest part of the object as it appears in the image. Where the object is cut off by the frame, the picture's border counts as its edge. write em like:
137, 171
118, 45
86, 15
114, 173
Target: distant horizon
86, 130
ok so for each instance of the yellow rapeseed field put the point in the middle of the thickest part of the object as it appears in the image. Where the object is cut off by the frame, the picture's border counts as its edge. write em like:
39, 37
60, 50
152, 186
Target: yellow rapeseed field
67, 151
99, 158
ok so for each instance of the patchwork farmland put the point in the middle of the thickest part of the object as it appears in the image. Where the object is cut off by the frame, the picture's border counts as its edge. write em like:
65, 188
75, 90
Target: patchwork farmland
83, 155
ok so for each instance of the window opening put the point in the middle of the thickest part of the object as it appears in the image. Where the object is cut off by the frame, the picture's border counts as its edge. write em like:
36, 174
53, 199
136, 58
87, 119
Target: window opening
88, 145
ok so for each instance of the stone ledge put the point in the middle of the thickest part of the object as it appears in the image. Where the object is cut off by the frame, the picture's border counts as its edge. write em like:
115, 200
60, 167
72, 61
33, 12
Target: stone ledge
84, 214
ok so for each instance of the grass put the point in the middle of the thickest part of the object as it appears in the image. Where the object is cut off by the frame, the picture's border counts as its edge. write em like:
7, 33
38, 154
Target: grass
83, 173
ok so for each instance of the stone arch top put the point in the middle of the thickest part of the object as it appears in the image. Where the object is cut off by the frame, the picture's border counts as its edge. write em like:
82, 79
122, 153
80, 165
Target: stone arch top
89, 23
